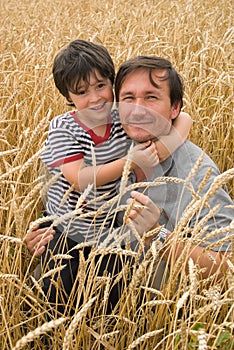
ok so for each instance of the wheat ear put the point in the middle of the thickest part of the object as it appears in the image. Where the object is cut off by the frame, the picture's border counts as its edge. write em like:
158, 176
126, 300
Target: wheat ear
46, 327
143, 338
69, 333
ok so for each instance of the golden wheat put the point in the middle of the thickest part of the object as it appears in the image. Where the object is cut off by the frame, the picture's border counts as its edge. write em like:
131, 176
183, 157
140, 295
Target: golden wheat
38, 331
197, 37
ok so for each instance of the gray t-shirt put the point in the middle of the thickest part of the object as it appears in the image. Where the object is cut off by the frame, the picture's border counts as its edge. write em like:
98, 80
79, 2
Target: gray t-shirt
174, 197
167, 189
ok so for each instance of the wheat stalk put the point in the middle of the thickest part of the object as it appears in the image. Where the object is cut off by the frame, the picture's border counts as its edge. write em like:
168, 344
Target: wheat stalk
143, 338
11, 239
45, 328
52, 272
72, 327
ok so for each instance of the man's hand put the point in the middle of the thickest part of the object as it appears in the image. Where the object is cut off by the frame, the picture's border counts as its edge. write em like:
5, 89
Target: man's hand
146, 218
37, 238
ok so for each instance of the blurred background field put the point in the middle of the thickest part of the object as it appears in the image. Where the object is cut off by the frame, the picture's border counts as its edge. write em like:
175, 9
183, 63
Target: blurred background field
196, 36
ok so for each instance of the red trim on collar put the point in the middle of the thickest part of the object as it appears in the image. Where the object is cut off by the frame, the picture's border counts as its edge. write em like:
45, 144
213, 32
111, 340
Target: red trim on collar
96, 138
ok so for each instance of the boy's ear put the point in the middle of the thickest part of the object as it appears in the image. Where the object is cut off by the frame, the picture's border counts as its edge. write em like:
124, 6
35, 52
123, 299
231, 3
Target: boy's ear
175, 110
70, 102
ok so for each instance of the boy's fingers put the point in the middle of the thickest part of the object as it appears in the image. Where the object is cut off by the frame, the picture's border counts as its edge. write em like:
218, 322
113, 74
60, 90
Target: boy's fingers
39, 251
38, 239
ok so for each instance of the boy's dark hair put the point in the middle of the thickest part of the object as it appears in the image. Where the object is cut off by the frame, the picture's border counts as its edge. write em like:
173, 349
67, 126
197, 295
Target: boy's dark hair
150, 63
77, 61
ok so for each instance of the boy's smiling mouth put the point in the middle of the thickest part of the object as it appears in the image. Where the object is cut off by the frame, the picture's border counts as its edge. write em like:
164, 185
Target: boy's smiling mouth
99, 107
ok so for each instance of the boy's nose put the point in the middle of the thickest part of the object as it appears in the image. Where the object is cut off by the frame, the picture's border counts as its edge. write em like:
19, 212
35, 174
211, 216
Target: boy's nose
94, 96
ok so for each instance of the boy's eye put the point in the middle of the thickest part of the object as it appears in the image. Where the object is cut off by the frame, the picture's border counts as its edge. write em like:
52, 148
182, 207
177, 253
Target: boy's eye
101, 85
81, 92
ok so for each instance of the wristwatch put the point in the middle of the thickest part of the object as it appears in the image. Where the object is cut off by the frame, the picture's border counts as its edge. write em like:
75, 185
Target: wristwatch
161, 236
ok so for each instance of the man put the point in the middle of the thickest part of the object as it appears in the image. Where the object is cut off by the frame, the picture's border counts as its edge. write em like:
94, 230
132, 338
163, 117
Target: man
149, 92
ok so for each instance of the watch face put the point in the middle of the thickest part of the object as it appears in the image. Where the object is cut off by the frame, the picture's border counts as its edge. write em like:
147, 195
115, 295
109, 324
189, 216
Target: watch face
163, 235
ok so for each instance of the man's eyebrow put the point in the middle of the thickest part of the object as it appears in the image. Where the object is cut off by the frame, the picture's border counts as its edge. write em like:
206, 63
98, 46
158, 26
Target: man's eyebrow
147, 92
153, 91
124, 93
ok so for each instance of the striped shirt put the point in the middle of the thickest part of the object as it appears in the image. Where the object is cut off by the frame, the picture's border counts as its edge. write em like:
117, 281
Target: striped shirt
69, 140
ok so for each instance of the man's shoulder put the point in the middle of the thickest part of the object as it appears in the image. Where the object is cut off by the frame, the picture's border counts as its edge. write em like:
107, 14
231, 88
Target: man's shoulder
188, 147
189, 156
191, 152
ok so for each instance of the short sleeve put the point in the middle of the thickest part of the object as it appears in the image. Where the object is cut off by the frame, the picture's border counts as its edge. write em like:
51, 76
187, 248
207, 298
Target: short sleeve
61, 146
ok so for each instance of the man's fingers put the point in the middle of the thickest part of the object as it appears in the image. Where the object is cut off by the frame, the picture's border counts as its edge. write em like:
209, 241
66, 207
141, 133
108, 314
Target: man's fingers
137, 223
141, 198
34, 233
146, 218
145, 201
136, 209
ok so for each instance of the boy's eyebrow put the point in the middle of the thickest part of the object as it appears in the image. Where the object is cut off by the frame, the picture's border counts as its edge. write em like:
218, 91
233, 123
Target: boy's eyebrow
84, 85
102, 79
81, 86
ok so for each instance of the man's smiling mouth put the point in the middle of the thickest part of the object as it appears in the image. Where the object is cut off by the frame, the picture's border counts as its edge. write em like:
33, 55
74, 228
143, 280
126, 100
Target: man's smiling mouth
138, 122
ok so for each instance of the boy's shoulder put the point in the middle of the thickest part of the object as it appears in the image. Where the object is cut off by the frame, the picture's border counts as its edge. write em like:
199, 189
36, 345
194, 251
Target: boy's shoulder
64, 116
62, 120
115, 114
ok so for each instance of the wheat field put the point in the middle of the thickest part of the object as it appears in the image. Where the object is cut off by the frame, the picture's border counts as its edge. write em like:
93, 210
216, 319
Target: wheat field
197, 37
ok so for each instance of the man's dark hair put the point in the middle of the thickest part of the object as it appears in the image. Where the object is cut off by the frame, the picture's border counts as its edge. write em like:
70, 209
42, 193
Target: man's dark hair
77, 61
151, 63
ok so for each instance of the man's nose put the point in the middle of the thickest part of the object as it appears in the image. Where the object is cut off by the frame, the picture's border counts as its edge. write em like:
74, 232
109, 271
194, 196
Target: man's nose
138, 107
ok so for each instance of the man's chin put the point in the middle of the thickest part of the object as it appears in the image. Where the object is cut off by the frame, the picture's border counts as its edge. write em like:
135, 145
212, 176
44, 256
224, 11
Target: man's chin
139, 137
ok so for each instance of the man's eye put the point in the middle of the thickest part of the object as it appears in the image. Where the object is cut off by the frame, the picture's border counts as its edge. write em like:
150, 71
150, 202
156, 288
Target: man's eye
151, 97
127, 98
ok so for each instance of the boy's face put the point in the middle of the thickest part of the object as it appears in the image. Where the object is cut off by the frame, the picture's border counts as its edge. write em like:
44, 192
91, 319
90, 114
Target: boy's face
145, 110
94, 101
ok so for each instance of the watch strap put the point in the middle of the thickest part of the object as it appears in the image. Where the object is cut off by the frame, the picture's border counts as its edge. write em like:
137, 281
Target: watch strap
161, 236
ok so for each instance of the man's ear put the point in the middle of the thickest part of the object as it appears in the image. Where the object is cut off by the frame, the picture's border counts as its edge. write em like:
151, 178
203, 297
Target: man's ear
175, 110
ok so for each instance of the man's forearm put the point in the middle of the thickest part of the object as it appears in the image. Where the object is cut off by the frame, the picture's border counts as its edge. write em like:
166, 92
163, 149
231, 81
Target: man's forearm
210, 262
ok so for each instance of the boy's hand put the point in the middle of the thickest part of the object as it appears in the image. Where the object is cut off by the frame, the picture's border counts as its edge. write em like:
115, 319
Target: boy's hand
144, 155
37, 238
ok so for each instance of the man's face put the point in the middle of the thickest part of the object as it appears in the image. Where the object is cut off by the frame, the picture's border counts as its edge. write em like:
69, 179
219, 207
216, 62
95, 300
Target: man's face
145, 110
